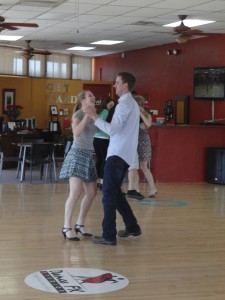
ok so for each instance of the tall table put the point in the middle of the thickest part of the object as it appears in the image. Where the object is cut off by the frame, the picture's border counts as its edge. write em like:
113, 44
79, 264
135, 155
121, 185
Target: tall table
22, 157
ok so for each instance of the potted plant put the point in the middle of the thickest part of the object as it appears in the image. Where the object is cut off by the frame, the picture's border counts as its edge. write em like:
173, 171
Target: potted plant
13, 111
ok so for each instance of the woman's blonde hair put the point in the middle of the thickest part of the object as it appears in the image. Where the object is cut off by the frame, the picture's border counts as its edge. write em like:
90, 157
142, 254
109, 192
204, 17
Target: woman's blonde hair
81, 96
140, 101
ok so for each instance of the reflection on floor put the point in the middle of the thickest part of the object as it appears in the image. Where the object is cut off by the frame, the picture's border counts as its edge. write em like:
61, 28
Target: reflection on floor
9, 176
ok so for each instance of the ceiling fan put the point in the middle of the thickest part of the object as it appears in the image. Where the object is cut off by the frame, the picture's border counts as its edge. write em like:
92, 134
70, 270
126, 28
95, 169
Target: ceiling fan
13, 26
186, 33
29, 51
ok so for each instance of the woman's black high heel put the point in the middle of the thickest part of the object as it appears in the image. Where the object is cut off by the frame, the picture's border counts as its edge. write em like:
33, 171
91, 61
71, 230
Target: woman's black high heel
77, 229
65, 230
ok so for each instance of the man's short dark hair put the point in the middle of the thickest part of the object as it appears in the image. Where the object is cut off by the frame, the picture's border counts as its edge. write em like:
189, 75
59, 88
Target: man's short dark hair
129, 79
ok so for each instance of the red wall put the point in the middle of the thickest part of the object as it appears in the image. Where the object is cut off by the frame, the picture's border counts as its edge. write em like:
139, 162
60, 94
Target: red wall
179, 153
99, 90
162, 77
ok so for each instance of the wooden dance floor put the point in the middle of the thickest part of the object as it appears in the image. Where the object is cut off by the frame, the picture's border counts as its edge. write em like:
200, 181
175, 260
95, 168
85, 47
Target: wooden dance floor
179, 256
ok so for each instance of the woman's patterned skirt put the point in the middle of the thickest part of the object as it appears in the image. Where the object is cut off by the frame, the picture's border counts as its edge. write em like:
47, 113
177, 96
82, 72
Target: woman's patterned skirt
79, 163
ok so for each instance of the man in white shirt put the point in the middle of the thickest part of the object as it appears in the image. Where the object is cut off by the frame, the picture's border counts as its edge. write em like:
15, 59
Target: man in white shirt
123, 131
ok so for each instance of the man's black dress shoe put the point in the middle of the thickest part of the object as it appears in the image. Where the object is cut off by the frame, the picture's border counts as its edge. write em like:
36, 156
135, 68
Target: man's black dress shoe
134, 194
126, 233
102, 241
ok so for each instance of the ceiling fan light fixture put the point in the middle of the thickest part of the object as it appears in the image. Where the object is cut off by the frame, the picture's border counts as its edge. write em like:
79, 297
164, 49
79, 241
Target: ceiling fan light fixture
27, 55
182, 39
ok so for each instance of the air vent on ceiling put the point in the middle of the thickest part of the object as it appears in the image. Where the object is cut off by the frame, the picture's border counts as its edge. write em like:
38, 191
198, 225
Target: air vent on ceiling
143, 23
69, 44
41, 3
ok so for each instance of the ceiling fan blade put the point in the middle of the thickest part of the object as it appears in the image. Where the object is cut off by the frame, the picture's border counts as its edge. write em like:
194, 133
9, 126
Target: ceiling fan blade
194, 32
29, 51
19, 24
42, 52
200, 33
208, 34
13, 25
8, 27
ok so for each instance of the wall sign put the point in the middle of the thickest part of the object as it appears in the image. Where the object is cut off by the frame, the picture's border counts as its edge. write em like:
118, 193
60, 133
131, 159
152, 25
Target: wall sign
60, 94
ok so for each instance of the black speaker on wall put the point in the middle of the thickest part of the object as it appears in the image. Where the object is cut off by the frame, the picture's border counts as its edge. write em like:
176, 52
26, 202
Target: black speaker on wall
215, 166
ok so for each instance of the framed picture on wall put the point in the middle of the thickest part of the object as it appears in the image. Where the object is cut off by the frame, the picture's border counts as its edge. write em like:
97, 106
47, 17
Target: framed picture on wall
53, 110
66, 111
8, 98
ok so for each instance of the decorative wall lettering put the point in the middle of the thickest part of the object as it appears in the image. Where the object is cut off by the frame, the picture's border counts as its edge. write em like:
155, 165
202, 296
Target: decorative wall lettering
60, 94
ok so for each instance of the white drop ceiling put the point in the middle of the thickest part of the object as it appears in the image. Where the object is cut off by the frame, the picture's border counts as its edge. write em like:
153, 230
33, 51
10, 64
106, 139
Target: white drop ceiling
67, 23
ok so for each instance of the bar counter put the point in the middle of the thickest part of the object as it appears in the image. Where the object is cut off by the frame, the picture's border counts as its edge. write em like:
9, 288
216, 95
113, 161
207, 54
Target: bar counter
179, 151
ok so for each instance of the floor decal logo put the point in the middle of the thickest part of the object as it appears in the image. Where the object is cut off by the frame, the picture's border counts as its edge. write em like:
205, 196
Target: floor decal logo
80, 281
163, 203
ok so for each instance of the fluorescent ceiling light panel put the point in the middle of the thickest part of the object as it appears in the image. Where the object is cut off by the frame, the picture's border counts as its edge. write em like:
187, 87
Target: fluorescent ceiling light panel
107, 42
189, 23
79, 48
10, 37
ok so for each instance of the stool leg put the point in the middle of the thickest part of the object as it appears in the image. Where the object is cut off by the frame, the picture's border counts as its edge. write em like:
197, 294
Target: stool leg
1, 162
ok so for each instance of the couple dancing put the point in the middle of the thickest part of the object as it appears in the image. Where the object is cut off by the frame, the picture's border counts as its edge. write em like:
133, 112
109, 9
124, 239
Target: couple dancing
79, 166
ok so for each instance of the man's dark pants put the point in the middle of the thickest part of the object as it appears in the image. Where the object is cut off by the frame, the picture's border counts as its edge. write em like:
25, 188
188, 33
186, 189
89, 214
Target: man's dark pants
113, 199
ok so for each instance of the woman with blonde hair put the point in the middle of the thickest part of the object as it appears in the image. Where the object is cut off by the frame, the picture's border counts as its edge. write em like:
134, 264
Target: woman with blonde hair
144, 145
79, 167
144, 155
